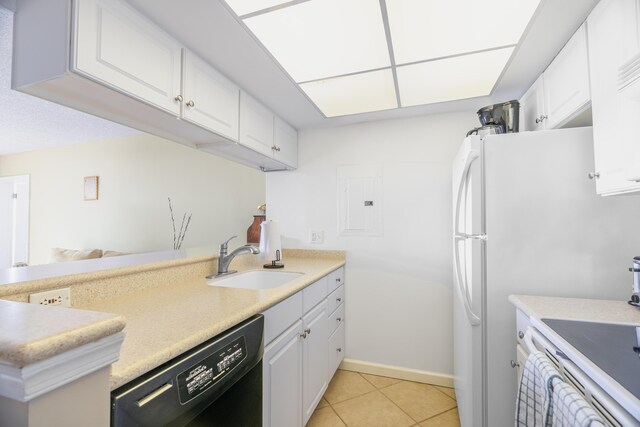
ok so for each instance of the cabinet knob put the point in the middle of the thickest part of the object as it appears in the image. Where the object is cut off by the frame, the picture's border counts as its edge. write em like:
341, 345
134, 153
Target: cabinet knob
541, 119
191, 104
339, 319
307, 331
304, 335
520, 334
593, 175
514, 364
339, 349
338, 280
179, 98
274, 148
338, 299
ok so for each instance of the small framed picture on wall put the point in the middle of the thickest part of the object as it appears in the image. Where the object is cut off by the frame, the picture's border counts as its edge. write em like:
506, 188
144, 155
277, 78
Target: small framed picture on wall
91, 187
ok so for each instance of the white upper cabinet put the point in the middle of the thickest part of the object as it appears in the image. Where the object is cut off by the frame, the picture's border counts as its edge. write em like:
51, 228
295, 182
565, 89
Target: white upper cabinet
105, 58
562, 92
566, 81
256, 125
285, 144
209, 99
532, 107
613, 39
118, 46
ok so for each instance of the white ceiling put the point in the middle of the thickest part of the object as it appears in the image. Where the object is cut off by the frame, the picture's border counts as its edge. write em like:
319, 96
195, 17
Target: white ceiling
212, 31
28, 123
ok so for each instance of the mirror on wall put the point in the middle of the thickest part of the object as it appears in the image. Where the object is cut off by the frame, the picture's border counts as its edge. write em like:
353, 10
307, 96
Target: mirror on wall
97, 188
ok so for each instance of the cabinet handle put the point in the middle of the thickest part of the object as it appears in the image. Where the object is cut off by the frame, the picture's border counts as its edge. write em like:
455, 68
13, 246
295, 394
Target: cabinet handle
307, 331
274, 148
178, 98
514, 364
520, 334
593, 175
191, 104
338, 299
541, 119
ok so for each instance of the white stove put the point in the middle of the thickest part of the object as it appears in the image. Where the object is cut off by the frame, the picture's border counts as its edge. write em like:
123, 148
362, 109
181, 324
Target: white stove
601, 360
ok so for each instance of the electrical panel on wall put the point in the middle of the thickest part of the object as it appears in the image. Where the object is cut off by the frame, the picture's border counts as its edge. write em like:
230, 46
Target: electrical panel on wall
360, 200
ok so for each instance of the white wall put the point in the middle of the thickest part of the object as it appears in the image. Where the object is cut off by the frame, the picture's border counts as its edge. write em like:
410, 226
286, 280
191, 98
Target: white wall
399, 286
137, 174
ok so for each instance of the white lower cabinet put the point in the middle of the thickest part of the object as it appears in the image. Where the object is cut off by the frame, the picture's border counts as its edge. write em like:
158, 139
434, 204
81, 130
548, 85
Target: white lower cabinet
314, 358
301, 340
281, 381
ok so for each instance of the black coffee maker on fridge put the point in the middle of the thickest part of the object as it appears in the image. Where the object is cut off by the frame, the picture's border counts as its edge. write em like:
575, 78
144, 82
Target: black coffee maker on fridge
498, 118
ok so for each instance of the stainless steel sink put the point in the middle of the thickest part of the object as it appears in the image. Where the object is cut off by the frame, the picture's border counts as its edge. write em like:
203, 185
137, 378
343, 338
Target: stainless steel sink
259, 279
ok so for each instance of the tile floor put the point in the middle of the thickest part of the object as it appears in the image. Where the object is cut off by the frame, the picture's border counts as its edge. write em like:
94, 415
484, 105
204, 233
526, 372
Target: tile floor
354, 399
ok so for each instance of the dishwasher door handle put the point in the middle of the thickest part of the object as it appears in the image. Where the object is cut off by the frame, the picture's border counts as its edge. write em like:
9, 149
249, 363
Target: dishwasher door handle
149, 397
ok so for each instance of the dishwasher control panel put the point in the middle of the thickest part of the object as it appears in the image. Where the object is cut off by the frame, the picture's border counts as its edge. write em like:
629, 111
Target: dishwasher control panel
204, 374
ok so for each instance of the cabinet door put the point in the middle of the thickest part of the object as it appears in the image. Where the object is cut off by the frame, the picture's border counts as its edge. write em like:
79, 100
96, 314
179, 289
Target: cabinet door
209, 99
613, 33
336, 349
282, 380
532, 108
315, 377
117, 46
285, 142
566, 81
256, 125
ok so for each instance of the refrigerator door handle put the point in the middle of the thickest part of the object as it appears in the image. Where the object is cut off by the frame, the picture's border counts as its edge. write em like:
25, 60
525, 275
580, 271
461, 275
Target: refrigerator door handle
474, 320
462, 288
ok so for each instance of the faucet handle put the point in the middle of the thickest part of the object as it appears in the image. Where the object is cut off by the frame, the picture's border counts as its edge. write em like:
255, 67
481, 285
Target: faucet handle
224, 245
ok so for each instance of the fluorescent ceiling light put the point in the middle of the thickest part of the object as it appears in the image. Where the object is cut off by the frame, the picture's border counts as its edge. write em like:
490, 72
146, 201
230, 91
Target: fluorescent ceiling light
448, 79
358, 93
324, 38
244, 7
427, 29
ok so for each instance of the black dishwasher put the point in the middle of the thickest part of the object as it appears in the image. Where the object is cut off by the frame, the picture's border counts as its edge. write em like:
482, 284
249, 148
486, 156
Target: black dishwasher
217, 384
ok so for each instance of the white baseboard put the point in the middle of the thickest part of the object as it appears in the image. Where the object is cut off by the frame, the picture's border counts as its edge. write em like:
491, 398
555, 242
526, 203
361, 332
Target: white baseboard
397, 372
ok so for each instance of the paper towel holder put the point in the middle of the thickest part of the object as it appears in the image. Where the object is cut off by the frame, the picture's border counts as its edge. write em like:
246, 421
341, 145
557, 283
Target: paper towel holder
274, 263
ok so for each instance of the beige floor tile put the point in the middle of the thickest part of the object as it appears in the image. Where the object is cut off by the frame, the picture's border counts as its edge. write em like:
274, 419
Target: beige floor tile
420, 401
448, 419
322, 403
380, 382
346, 385
372, 410
451, 392
325, 417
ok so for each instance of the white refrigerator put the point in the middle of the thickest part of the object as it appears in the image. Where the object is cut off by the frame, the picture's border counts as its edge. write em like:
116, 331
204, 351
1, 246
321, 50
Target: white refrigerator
527, 220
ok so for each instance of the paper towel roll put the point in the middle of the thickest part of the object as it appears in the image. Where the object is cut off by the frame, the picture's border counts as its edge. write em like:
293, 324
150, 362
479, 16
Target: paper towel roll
270, 243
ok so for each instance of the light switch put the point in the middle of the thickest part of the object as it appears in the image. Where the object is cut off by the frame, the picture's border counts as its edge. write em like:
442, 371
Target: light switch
316, 236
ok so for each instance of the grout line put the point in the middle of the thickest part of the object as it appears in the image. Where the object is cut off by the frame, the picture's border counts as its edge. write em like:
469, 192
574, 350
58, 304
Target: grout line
402, 410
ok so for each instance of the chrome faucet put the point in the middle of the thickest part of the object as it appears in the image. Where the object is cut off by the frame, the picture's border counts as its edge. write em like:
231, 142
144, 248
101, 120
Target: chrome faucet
224, 260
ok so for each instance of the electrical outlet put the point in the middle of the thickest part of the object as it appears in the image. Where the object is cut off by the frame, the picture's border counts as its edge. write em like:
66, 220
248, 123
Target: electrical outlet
59, 297
316, 236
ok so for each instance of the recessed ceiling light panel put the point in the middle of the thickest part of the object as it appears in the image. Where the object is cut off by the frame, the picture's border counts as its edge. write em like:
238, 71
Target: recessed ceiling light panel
427, 29
318, 39
461, 77
358, 93
244, 7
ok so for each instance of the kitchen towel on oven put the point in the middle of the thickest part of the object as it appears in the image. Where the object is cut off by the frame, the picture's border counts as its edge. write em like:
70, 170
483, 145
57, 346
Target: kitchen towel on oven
533, 405
571, 410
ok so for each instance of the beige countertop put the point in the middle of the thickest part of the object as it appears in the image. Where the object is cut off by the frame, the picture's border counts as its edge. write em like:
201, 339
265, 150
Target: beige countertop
590, 310
30, 333
166, 320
